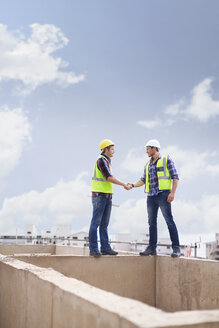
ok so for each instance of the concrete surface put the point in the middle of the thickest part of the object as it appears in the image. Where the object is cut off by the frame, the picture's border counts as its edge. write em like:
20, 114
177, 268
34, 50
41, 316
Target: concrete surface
186, 284
39, 297
168, 284
128, 276
11, 249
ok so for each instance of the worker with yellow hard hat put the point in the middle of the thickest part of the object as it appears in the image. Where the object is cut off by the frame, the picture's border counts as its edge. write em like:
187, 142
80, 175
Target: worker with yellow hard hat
102, 190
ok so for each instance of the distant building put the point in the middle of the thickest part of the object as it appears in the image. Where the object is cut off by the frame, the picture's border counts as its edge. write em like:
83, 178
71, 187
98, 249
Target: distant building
212, 249
79, 239
63, 231
46, 237
125, 242
126, 239
13, 239
31, 230
46, 234
31, 233
164, 246
76, 239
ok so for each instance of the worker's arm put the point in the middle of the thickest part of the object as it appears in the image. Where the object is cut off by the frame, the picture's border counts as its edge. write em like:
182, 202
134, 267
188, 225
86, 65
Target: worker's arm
117, 181
174, 177
138, 183
171, 195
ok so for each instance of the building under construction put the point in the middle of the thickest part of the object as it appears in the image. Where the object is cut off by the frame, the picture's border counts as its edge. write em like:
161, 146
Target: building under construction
61, 286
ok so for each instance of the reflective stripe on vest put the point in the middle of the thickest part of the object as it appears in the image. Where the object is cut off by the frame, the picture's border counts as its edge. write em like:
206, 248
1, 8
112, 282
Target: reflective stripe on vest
99, 182
163, 175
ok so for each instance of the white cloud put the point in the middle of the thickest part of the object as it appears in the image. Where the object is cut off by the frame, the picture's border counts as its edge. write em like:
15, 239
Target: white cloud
200, 216
130, 217
213, 169
175, 108
191, 217
135, 160
187, 169
201, 107
31, 60
150, 124
68, 203
188, 216
197, 166
15, 133
62, 204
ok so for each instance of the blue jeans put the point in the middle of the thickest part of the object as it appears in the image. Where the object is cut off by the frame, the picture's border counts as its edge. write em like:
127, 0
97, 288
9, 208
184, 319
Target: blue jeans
101, 216
153, 204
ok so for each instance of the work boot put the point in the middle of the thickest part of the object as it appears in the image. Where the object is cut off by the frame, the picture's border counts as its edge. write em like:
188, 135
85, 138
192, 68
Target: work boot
109, 252
176, 251
149, 251
95, 253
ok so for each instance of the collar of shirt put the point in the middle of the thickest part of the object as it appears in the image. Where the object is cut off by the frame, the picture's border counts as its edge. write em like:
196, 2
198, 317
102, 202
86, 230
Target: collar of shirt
151, 160
108, 159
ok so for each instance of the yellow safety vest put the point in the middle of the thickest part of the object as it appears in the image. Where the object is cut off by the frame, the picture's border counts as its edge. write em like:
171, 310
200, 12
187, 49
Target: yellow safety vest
99, 182
163, 175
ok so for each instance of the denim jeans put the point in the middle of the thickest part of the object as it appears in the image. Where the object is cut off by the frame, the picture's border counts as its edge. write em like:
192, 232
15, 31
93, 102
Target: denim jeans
153, 204
101, 216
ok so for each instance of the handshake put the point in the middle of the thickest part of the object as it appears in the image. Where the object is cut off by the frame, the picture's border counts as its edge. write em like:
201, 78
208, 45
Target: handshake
128, 186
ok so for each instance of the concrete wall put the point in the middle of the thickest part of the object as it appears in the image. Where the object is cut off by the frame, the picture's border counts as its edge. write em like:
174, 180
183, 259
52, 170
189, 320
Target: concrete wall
78, 250
71, 250
26, 249
38, 297
128, 276
10, 249
169, 284
186, 284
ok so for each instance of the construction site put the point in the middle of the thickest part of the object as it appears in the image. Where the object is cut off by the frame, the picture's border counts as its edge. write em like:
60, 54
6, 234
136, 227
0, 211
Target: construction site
51, 286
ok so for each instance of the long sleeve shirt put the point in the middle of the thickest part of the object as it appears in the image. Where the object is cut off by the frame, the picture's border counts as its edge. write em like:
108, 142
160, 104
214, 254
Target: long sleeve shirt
103, 165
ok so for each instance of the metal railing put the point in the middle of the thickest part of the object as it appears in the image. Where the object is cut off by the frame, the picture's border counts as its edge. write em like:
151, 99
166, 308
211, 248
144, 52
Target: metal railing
136, 244
55, 240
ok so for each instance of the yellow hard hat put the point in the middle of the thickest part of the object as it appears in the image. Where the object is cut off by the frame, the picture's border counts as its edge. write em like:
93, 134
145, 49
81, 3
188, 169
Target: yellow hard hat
106, 143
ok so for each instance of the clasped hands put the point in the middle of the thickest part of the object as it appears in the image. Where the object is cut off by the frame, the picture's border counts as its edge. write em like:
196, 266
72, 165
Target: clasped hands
128, 186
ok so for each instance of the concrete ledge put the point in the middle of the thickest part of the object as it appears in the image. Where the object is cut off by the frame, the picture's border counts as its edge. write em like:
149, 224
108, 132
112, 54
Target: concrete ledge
31, 292
38, 297
30, 249
186, 284
10, 249
128, 276
169, 284
71, 250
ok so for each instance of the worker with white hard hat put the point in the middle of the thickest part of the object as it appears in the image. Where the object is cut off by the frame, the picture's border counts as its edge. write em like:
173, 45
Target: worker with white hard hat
102, 190
160, 179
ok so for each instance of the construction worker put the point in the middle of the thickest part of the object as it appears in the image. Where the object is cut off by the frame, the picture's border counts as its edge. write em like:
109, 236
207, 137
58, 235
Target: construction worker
158, 174
102, 190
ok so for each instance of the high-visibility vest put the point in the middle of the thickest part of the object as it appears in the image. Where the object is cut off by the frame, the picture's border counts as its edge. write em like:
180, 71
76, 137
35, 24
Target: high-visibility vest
99, 182
163, 175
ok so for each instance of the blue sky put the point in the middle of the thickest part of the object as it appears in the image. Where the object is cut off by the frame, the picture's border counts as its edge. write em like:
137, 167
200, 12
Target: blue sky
75, 72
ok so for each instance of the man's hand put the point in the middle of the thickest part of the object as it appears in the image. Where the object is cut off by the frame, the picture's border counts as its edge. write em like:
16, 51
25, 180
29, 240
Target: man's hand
128, 186
170, 197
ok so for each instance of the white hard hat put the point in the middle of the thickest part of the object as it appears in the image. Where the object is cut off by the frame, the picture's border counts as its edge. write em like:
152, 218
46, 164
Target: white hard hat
153, 143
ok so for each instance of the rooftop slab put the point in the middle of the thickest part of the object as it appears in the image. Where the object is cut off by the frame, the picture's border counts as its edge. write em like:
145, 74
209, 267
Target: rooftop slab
33, 295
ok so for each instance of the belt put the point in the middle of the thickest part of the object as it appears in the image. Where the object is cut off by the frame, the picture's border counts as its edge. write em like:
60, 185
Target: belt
96, 194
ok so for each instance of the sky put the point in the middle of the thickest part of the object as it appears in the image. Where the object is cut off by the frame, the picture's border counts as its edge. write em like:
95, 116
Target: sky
75, 72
